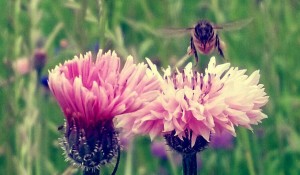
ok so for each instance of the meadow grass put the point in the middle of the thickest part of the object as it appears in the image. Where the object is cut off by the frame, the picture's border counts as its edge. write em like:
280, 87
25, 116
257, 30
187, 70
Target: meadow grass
29, 115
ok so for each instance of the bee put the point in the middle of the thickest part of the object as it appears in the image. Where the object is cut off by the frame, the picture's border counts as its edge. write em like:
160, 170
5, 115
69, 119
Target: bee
205, 38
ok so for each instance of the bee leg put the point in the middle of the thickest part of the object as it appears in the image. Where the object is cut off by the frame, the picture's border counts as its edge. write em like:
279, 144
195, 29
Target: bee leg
192, 50
218, 45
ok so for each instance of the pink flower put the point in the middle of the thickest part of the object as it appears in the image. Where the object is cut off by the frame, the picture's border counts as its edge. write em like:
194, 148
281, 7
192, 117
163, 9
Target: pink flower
193, 104
91, 93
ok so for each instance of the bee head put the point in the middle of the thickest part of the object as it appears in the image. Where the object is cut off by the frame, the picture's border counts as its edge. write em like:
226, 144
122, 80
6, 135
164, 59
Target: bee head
204, 31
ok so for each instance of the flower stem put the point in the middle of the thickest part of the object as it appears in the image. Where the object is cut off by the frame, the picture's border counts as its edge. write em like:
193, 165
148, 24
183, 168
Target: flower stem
128, 165
91, 172
249, 158
189, 163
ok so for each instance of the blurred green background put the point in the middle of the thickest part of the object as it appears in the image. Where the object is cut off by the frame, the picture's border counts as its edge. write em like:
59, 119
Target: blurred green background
59, 29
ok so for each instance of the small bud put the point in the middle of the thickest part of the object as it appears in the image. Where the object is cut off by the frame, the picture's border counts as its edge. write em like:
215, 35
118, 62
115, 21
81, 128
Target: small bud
39, 60
21, 66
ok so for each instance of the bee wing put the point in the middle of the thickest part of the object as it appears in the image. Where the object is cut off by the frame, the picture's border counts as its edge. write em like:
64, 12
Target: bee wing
167, 32
236, 25
173, 32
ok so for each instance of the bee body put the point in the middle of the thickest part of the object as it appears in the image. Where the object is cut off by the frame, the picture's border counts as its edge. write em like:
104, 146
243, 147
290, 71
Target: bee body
204, 48
204, 39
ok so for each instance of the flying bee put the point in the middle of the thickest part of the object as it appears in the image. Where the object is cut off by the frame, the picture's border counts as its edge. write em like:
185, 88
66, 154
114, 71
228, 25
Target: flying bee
205, 38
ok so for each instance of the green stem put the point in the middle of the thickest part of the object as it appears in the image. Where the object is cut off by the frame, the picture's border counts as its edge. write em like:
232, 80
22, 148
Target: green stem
189, 163
249, 159
102, 14
128, 165
80, 21
172, 163
91, 172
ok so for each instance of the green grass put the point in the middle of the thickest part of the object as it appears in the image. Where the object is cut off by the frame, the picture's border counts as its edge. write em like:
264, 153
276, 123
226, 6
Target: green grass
29, 115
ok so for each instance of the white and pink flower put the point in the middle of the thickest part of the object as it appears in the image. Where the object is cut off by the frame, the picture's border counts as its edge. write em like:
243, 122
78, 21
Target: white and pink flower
205, 103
